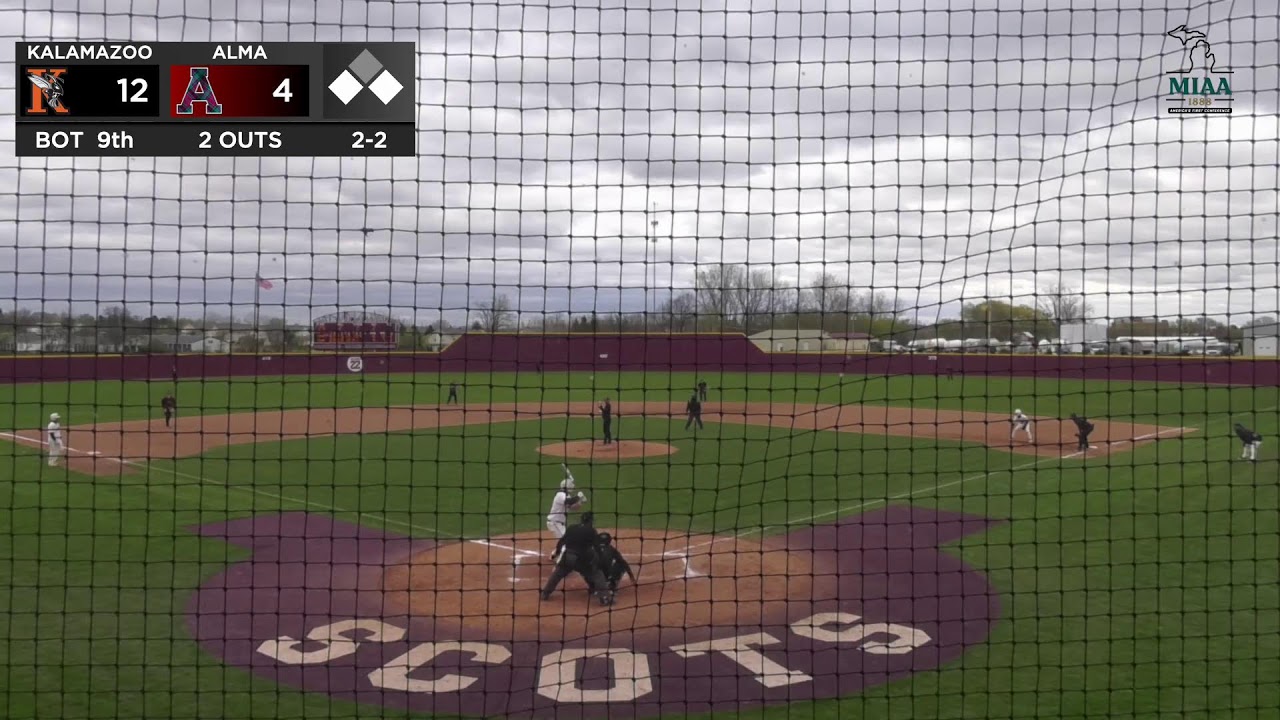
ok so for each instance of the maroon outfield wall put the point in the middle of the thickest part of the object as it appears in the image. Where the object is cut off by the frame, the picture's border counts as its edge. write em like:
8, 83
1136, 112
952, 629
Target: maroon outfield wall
478, 352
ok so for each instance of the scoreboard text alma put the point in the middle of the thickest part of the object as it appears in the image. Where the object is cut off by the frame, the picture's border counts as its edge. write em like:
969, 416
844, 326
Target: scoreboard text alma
206, 99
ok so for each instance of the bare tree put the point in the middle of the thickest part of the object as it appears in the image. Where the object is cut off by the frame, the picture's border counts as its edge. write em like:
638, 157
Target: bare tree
681, 312
787, 299
495, 314
115, 327
555, 322
875, 303
716, 287
828, 295
1061, 305
753, 300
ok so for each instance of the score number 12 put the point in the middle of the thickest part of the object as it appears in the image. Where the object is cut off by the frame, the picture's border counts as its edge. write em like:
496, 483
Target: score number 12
139, 93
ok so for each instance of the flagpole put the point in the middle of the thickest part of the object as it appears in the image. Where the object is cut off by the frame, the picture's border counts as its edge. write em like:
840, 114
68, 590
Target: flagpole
257, 288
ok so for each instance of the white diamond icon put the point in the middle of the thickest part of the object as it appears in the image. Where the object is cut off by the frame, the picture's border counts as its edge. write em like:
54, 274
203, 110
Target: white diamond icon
345, 87
386, 87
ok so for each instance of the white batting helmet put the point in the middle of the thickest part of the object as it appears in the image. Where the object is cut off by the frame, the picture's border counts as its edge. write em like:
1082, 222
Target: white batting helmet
54, 417
566, 484
1017, 412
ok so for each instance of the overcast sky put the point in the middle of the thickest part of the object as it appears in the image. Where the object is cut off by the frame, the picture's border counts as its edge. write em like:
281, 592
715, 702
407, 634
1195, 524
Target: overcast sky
937, 149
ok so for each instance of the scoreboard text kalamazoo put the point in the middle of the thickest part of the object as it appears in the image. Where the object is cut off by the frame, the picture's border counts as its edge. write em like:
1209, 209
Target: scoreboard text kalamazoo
206, 99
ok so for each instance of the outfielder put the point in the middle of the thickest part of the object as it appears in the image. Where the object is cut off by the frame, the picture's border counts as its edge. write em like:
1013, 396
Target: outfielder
1021, 423
170, 406
693, 409
54, 433
1252, 441
560, 505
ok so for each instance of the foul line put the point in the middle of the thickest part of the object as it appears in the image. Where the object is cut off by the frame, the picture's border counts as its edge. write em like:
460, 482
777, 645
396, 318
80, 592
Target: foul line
1137, 439
932, 489
251, 491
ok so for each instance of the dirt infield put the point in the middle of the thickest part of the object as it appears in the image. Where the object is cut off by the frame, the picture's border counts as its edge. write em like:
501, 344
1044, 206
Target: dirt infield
597, 450
115, 448
683, 581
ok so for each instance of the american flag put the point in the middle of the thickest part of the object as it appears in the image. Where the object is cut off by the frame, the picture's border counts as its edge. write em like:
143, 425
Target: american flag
264, 283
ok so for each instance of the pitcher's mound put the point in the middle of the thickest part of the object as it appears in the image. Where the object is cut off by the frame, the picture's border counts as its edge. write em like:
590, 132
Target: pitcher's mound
596, 449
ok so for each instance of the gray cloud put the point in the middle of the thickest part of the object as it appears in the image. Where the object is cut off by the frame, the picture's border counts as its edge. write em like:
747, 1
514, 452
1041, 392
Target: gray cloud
939, 150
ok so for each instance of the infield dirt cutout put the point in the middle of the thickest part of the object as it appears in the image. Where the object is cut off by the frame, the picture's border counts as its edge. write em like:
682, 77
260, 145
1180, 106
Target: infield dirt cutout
616, 450
494, 586
115, 448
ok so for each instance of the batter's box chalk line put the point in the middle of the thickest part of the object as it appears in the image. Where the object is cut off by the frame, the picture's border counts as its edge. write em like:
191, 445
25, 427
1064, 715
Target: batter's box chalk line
683, 557
519, 555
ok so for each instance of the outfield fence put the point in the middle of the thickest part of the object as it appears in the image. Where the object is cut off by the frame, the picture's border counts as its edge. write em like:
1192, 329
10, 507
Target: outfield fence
483, 353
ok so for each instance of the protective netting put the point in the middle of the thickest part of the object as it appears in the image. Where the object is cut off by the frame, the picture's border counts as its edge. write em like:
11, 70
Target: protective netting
897, 348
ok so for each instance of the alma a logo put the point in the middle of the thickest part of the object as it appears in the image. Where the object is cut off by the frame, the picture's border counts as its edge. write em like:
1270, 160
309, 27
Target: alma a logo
313, 608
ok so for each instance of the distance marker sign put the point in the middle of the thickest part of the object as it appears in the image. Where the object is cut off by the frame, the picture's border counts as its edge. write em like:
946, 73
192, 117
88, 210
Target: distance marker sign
205, 99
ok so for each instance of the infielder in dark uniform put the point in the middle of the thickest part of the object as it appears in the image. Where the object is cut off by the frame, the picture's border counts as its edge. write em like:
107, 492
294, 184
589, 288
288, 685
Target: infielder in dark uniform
606, 415
702, 389
170, 406
578, 553
612, 564
1251, 442
453, 393
693, 409
1083, 428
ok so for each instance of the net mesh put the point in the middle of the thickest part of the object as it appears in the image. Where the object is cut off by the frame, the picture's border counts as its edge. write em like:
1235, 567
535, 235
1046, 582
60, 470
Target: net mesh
854, 328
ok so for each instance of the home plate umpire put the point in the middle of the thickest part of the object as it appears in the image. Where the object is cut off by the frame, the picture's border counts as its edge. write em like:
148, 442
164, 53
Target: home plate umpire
579, 552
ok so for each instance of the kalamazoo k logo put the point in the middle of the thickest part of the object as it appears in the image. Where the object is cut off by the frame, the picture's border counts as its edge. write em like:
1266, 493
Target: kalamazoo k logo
46, 91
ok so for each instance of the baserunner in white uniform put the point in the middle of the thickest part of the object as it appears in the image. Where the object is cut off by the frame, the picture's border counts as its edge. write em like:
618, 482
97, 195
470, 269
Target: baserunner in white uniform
561, 504
1021, 423
54, 439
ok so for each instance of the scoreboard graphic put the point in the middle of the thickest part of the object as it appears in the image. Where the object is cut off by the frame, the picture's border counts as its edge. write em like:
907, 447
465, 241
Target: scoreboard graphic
205, 99
355, 330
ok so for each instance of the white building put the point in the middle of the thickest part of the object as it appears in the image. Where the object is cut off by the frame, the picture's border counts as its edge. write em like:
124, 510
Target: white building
193, 344
790, 340
1078, 336
1262, 340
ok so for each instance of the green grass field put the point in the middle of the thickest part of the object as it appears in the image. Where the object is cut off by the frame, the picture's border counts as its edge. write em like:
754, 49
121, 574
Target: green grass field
1142, 585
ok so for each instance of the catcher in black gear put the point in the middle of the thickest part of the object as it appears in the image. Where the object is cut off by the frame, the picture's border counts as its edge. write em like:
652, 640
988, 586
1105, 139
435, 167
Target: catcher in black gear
578, 551
612, 564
